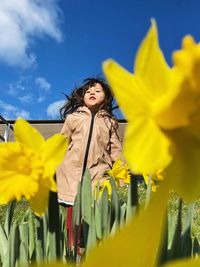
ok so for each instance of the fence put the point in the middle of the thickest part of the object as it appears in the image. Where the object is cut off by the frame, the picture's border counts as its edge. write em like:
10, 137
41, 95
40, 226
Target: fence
6, 129
46, 127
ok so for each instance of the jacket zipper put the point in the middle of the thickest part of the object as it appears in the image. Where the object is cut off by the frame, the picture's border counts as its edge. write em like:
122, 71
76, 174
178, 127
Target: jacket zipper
88, 145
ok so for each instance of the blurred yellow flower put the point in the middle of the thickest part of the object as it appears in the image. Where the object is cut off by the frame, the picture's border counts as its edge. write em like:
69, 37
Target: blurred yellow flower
162, 106
187, 61
155, 179
120, 172
142, 236
27, 166
177, 263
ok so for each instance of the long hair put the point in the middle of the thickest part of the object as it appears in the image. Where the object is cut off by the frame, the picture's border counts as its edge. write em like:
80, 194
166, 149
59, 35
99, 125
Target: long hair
76, 99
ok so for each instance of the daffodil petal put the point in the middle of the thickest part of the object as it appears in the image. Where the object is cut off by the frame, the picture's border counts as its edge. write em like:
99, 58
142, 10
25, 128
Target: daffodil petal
184, 171
54, 149
185, 86
153, 185
154, 188
168, 99
151, 66
142, 236
146, 148
183, 263
28, 135
117, 164
187, 61
146, 178
39, 202
48, 176
126, 89
20, 182
183, 105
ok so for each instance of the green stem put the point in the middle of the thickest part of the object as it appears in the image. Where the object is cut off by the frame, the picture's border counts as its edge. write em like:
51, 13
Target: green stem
148, 192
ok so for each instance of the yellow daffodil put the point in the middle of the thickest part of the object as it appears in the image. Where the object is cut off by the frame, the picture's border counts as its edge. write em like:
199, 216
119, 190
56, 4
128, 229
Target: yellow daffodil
162, 106
120, 172
103, 184
28, 165
155, 179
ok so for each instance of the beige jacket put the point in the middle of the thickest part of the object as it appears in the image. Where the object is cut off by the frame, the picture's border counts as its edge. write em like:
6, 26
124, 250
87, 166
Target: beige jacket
103, 147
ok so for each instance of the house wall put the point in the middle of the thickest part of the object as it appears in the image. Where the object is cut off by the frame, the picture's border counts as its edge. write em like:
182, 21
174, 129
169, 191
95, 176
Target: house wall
48, 128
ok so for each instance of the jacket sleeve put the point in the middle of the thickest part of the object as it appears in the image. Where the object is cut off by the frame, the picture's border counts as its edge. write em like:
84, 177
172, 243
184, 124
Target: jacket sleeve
116, 143
67, 129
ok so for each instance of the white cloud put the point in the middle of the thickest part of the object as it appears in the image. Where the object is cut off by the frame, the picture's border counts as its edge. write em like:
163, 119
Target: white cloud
27, 99
43, 84
10, 112
21, 87
29, 90
23, 21
53, 109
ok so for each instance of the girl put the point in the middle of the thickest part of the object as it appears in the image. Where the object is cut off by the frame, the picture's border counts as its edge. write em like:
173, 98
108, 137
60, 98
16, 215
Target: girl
94, 141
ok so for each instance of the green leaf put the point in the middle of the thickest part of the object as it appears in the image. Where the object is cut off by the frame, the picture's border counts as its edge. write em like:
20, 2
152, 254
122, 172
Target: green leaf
3, 243
175, 251
132, 202
195, 247
98, 222
9, 217
23, 255
91, 240
122, 214
105, 213
76, 216
86, 197
186, 238
39, 251
23, 232
114, 228
31, 232
171, 229
13, 244
115, 206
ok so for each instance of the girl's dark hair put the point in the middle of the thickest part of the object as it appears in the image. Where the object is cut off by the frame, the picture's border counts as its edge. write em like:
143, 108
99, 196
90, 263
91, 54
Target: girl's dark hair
76, 100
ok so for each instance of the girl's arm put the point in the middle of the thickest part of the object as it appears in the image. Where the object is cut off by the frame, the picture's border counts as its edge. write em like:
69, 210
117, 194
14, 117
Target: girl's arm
116, 143
66, 129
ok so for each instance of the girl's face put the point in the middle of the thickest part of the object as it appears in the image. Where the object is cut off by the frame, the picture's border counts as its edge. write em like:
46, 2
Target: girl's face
94, 96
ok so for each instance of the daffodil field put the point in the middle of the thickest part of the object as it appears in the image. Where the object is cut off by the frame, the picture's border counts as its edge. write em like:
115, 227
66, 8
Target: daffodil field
162, 108
45, 239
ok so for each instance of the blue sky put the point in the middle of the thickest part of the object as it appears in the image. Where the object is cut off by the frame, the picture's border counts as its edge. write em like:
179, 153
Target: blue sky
49, 46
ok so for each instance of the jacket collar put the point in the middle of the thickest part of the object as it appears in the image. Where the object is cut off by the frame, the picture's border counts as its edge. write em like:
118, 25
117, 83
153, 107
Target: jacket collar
85, 109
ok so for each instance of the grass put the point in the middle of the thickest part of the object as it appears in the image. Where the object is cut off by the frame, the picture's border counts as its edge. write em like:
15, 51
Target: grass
173, 204
19, 212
